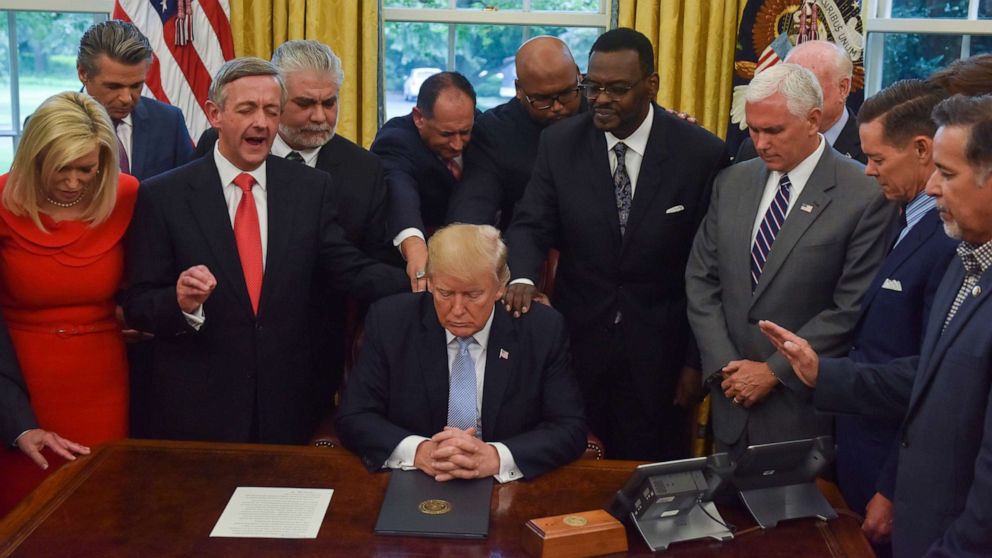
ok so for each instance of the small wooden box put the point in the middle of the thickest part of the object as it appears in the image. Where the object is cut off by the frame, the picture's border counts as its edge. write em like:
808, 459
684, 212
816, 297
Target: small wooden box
574, 535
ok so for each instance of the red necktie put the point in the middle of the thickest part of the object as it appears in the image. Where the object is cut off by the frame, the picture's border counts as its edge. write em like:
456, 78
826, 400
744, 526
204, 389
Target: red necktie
455, 168
249, 238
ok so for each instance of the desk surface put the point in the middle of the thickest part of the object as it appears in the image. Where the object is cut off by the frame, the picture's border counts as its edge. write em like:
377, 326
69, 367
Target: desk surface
151, 498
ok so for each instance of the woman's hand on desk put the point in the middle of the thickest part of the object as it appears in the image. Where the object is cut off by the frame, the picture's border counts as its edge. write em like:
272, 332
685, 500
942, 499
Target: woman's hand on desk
35, 440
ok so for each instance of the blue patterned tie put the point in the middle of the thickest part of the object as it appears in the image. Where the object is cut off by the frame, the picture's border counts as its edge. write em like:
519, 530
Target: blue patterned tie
462, 391
769, 228
621, 181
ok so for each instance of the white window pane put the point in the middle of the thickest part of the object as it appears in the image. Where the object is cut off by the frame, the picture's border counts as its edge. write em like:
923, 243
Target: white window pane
6, 153
47, 43
566, 5
5, 108
413, 52
981, 44
415, 4
930, 8
916, 55
985, 9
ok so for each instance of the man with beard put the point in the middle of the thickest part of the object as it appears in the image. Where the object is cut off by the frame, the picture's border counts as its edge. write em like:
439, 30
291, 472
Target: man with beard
313, 75
501, 156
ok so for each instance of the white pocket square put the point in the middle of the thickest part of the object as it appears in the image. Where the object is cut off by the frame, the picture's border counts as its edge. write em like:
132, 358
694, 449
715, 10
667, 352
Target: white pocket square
892, 285
675, 209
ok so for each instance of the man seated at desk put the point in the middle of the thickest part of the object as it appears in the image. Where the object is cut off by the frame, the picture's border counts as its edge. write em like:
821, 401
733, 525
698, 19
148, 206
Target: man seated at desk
450, 383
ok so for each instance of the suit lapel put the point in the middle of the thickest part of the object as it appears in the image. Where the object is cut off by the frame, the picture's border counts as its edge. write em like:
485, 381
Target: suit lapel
140, 136
601, 181
279, 175
207, 205
434, 362
749, 199
805, 211
915, 238
500, 353
328, 157
650, 179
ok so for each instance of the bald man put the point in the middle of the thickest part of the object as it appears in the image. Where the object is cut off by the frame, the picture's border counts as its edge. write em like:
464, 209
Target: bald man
499, 161
833, 68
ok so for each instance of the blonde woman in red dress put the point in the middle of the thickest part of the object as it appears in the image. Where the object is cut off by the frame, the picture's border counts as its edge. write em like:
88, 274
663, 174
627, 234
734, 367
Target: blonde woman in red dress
64, 209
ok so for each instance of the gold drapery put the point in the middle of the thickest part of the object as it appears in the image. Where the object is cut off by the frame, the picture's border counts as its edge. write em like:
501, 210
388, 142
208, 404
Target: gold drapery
694, 43
350, 27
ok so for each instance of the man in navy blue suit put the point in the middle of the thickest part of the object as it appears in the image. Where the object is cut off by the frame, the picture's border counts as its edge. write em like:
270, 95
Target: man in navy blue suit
422, 159
112, 62
451, 384
897, 137
943, 490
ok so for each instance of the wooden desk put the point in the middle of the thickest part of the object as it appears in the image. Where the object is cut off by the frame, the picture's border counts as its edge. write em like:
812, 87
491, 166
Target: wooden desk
147, 498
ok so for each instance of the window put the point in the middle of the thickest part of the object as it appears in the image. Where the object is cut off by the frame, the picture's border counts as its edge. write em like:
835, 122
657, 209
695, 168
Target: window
38, 42
478, 39
912, 38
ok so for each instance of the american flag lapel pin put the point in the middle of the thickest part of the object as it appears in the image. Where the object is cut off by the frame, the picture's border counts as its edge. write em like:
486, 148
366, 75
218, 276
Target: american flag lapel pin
503, 354
807, 208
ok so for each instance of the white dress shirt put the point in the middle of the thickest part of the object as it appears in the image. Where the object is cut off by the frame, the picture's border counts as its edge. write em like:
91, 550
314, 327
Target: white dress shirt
232, 195
798, 176
405, 452
280, 149
833, 133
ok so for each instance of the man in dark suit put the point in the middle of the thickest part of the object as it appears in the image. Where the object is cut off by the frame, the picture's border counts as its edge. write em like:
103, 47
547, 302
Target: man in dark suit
231, 310
112, 63
833, 69
897, 136
499, 161
422, 156
313, 76
619, 191
794, 236
451, 384
943, 491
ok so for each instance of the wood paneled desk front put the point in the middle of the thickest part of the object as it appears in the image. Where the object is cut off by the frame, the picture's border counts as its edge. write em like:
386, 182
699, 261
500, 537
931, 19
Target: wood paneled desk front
151, 498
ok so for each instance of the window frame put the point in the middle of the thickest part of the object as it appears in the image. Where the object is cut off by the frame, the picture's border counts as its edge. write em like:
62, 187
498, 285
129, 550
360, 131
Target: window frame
879, 21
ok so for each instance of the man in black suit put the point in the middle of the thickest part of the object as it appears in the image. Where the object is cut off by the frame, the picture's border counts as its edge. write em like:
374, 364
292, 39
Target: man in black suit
313, 76
230, 309
422, 155
112, 63
451, 384
499, 161
833, 68
619, 191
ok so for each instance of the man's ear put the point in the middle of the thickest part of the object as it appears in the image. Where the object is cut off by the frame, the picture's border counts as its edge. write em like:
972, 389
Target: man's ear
418, 117
923, 146
213, 113
83, 78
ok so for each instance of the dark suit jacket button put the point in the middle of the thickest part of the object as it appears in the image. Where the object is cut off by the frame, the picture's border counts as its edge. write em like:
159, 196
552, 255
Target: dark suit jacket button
904, 443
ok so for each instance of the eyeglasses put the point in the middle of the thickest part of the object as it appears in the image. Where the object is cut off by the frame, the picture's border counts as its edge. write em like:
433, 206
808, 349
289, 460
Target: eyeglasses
544, 102
615, 91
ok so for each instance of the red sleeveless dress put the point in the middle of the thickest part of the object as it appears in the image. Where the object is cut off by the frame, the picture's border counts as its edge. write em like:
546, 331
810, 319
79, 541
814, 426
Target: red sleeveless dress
57, 294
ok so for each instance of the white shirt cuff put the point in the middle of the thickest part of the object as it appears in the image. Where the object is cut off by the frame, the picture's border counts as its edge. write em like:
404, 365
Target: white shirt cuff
404, 454
21, 435
522, 282
508, 471
407, 233
196, 319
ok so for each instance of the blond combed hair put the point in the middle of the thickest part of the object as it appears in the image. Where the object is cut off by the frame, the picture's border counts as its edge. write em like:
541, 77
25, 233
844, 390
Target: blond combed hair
468, 251
66, 127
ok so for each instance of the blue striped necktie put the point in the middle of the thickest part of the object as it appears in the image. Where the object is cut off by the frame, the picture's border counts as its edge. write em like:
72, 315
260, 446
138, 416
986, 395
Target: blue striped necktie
770, 225
462, 389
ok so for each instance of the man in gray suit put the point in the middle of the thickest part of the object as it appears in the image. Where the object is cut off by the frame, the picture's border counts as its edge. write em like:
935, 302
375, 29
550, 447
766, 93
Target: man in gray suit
794, 236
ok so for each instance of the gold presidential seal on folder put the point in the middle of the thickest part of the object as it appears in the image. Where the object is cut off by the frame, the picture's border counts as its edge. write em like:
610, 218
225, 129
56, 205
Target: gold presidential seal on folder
434, 507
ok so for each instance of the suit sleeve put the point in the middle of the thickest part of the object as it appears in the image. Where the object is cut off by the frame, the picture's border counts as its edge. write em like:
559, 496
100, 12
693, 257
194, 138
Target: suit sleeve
969, 534
376, 243
535, 220
149, 301
479, 196
878, 390
16, 414
361, 421
182, 142
560, 436
828, 331
350, 270
746, 151
401, 183
705, 294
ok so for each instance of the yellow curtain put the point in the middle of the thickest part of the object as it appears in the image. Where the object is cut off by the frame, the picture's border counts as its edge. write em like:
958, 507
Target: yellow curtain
350, 27
694, 44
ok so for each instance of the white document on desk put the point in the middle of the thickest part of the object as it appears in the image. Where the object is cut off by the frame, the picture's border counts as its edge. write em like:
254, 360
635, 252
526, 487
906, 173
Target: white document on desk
273, 513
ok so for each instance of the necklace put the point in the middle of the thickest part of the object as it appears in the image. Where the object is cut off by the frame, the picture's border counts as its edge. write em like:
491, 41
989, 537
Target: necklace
82, 194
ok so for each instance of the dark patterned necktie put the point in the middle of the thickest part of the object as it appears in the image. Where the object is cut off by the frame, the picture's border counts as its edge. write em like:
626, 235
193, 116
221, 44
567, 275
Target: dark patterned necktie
125, 162
295, 157
769, 228
622, 186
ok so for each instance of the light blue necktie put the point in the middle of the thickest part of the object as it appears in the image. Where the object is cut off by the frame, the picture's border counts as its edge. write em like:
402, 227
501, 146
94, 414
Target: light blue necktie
462, 392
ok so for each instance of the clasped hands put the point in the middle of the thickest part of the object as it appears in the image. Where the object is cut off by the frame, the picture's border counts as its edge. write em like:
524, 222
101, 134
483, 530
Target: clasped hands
454, 453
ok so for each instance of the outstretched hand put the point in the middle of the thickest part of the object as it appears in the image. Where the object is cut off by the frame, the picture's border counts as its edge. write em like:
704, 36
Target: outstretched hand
804, 360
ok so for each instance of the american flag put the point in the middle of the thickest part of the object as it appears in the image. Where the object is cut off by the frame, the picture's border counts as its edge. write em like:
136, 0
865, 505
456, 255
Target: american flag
191, 39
